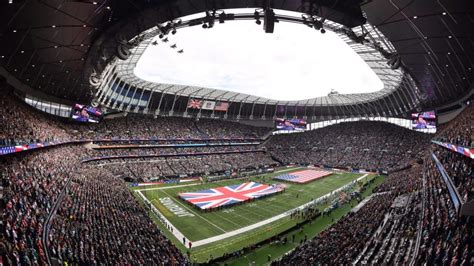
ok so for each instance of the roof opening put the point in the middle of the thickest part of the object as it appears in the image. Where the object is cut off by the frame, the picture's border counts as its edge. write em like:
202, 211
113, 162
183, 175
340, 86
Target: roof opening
293, 63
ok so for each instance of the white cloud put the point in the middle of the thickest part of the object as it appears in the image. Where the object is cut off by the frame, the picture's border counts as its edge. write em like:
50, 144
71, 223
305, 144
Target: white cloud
294, 63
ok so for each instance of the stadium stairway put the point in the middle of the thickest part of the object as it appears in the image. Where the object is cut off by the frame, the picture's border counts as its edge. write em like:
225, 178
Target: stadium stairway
199, 130
267, 136
275, 159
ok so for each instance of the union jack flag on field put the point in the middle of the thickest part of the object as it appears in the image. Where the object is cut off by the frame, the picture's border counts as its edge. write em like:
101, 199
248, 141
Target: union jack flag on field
304, 176
229, 195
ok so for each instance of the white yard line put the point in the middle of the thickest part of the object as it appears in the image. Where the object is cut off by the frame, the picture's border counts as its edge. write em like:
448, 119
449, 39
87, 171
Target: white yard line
159, 188
209, 240
270, 220
163, 219
184, 206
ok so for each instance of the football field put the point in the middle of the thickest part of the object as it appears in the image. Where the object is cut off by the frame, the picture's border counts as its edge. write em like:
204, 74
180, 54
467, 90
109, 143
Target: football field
240, 224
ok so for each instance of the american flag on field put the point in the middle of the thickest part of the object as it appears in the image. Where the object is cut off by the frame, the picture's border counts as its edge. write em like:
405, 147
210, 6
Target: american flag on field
229, 195
194, 104
304, 176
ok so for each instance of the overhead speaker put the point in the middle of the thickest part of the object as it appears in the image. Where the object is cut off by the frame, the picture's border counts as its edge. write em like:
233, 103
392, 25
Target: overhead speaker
394, 61
123, 52
95, 80
95, 103
120, 38
269, 20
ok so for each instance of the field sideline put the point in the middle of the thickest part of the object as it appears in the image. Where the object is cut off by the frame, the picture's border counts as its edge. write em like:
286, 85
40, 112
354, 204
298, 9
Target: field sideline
259, 219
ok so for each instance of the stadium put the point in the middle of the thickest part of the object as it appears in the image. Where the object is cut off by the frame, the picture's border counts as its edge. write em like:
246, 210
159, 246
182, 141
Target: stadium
300, 132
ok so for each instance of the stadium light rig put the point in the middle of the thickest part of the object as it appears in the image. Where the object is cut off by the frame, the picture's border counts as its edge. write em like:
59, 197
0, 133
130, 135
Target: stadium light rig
312, 21
269, 19
208, 21
223, 16
256, 16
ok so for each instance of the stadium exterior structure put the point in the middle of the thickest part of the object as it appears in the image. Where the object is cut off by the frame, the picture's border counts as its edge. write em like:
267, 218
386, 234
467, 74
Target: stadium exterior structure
118, 88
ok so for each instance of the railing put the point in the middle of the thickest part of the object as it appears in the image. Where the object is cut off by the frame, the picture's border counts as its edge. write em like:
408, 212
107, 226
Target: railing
128, 156
47, 225
453, 192
420, 222
33, 146
456, 148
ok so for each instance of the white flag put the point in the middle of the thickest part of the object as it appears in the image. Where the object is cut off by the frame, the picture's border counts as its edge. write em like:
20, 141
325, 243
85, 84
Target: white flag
208, 105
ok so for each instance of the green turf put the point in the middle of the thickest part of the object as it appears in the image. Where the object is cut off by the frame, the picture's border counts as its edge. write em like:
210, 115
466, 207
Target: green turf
207, 224
219, 222
259, 256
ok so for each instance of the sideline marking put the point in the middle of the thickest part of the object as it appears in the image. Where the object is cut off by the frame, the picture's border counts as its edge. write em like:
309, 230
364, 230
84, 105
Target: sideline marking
209, 222
272, 219
252, 226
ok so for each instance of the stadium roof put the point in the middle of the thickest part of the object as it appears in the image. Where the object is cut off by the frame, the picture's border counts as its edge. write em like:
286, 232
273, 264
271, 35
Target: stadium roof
54, 46
293, 63
391, 78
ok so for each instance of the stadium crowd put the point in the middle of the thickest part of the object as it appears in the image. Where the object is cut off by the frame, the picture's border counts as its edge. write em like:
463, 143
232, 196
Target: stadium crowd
395, 240
459, 130
345, 240
146, 127
446, 237
100, 222
385, 229
21, 124
361, 145
153, 168
402, 182
97, 211
173, 151
31, 185
460, 169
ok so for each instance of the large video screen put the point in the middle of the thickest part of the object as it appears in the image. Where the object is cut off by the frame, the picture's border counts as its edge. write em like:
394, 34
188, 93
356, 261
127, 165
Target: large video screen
423, 121
85, 113
290, 124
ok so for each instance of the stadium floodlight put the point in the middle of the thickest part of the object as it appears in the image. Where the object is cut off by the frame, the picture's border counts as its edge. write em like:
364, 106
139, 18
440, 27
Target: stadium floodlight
166, 27
317, 24
256, 16
307, 20
208, 21
222, 17
394, 61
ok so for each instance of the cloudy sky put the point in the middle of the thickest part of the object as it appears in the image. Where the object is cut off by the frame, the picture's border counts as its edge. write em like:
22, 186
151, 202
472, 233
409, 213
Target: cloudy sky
294, 63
